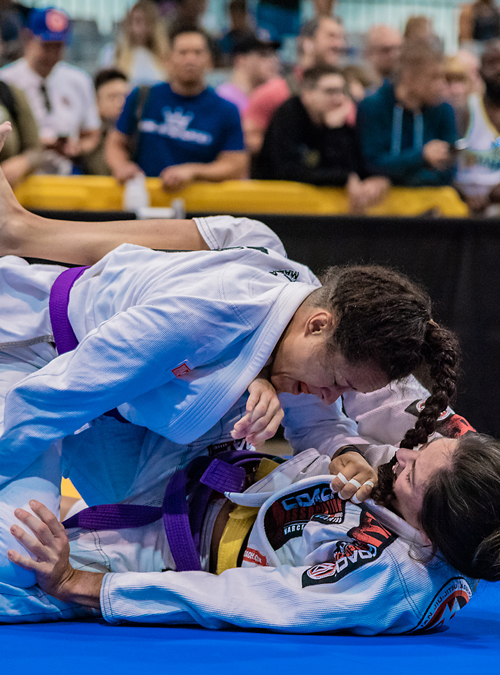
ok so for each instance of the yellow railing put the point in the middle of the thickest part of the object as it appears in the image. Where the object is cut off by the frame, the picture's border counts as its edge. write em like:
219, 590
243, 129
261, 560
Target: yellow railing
101, 193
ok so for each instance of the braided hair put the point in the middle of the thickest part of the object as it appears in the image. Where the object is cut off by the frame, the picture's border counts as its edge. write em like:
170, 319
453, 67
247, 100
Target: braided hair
384, 319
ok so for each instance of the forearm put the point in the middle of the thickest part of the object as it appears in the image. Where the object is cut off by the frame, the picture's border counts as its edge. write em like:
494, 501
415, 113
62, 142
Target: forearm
16, 168
84, 243
88, 141
116, 151
225, 168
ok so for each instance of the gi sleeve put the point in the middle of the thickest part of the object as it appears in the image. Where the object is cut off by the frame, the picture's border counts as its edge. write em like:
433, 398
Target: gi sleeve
375, 423
124, 357
272, 598
228, 232
310, 423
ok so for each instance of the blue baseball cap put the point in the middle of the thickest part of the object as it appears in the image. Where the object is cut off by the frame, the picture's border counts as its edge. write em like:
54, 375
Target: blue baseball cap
50, 25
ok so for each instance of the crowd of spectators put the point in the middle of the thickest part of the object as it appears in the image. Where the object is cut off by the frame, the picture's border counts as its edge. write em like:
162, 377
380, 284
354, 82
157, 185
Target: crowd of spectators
397, 112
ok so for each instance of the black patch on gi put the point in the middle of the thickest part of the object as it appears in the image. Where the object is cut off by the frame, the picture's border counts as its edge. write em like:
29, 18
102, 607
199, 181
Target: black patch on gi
288, 516
370, 539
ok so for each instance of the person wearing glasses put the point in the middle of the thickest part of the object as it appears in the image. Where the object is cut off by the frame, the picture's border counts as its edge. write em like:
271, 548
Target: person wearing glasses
310, 141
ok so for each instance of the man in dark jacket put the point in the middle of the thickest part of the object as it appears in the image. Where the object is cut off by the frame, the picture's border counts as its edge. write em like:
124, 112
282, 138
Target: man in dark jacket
309, 141
407, 133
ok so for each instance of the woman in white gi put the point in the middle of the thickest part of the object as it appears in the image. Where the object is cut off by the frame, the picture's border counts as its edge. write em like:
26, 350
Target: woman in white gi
175, 339
313, 562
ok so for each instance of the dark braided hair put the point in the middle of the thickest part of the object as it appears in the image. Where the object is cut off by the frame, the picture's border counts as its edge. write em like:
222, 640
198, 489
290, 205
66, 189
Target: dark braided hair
383, 318
461, 508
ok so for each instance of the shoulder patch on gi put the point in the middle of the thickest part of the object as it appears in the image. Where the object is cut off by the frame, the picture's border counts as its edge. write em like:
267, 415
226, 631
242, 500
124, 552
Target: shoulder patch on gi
370, 539
450, 598
449, 423
181, 370
288, 516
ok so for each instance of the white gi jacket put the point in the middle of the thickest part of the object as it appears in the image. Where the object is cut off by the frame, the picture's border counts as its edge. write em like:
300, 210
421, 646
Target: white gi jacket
313, 563
173, 339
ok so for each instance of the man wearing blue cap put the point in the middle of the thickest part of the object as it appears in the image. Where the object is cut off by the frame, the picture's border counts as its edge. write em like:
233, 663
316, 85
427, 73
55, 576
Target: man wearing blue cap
61, 96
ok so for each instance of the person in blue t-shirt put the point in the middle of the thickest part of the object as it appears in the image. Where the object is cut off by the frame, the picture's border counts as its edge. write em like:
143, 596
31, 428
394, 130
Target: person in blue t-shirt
186, 132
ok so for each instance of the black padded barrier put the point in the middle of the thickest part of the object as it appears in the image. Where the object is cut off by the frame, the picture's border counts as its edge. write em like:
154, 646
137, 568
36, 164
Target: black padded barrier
457, 260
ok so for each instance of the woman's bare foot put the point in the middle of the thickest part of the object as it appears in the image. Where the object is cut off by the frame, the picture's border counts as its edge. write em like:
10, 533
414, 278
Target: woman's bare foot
14, 219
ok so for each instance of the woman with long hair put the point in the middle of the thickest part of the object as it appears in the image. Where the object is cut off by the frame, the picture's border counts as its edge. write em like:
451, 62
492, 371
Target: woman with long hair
142, 46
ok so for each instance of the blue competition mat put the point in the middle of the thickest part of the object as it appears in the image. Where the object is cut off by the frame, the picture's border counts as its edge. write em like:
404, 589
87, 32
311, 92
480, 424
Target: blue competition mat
469, 644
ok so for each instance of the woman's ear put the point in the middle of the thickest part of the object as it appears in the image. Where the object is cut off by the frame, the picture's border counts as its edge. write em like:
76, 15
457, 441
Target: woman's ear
320, 321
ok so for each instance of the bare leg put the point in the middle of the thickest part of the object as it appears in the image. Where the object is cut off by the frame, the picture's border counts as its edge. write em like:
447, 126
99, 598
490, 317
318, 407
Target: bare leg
26, 234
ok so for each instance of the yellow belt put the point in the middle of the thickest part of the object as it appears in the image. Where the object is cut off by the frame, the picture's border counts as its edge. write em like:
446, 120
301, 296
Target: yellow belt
239, 524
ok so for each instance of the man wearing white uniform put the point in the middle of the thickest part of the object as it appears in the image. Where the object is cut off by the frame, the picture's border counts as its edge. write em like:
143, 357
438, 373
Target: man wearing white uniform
61, 96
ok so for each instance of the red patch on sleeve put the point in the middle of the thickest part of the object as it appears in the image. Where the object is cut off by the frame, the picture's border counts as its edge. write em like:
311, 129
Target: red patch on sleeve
181, 370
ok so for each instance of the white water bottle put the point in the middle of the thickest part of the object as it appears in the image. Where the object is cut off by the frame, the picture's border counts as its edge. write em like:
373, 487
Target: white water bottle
135, 194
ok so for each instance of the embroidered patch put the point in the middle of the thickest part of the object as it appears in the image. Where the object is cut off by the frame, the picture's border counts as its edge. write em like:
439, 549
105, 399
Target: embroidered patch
370, 539
454, 595
181, 370
449, 423
288, 516
291, 275
253, 556
416, 408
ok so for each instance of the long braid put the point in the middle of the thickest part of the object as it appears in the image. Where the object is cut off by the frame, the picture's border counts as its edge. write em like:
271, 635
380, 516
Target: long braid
440, 351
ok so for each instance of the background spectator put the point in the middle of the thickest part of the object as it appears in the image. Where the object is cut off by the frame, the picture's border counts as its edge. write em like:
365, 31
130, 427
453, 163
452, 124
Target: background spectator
13, 21
407, 132
240, 27
472, 63
21, 153
321, 41
479, 21
359, 80
309, 141
278, 19
478, 176
111, 88
382, 51
185, 131
458, 89
61, 96
418, 28
255, 62
141, 49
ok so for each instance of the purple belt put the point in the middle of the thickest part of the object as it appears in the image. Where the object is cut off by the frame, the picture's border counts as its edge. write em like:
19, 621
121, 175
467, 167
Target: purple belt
182, 521
64, 335
225, 473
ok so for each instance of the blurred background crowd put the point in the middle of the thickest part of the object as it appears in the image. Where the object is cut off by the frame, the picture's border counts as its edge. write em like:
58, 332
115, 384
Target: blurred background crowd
314, 91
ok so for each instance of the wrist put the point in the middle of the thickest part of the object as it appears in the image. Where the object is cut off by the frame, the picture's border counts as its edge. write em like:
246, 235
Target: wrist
347, 448
81, 587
